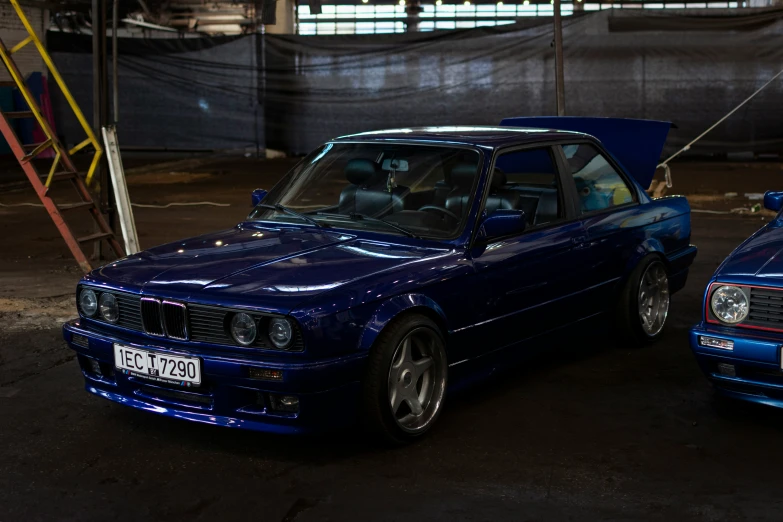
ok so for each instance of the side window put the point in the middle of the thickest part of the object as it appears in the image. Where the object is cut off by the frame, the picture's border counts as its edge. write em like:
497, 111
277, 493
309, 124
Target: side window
598, 184
526, 180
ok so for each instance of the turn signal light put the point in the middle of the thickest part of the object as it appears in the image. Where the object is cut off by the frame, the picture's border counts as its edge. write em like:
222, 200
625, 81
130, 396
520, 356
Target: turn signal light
265, 374
80, 340
713, 342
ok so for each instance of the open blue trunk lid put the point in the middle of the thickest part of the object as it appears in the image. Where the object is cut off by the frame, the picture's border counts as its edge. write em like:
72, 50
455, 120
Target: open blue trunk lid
636, 144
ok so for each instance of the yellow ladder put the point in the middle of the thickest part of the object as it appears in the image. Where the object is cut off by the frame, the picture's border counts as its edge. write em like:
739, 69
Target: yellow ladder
51, 141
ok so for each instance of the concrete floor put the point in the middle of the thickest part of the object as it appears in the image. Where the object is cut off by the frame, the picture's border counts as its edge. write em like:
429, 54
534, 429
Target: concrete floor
584, 432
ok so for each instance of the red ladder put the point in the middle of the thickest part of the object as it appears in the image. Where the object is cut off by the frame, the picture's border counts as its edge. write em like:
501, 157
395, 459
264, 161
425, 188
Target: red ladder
26, 153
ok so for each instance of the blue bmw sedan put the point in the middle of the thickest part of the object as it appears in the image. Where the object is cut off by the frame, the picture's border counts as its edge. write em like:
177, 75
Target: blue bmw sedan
383, 270
738, 341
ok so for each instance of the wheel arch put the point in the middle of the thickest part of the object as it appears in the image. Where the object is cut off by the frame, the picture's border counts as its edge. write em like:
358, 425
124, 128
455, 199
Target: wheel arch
650, 246
398, 306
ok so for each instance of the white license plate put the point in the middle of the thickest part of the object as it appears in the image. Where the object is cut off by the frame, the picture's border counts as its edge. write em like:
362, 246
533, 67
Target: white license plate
158, 366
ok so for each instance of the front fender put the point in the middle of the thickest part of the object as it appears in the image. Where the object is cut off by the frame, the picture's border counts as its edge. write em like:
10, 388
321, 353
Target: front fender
393, 307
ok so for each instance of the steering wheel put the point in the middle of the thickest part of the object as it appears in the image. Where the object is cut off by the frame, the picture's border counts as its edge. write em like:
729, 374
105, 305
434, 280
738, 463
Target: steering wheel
441, 210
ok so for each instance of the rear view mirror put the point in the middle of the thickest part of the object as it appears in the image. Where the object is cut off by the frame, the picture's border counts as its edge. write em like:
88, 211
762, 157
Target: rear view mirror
399, 165
502, 222
773, 200
258, 196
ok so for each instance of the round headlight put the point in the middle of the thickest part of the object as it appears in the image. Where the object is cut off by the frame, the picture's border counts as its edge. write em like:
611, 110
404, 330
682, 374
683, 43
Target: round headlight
243, 329
107, 304
280, 332
729, 304
88, 302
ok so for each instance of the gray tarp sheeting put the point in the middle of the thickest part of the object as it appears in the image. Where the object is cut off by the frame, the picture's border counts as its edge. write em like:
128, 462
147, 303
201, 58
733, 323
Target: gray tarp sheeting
293, 92
195, 93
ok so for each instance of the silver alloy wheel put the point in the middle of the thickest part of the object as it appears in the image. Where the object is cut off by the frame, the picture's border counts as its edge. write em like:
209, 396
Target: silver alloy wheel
653, 298
417, 380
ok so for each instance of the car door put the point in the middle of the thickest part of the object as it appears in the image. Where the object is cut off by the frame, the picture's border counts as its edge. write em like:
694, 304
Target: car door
607, 203
526, 283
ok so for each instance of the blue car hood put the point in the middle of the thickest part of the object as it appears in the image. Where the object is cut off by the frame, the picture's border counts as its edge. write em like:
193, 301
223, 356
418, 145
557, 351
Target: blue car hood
265, 268
635, 144
760, 256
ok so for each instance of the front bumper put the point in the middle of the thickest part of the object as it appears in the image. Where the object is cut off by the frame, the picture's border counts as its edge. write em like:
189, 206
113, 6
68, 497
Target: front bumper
327, 389
751, 371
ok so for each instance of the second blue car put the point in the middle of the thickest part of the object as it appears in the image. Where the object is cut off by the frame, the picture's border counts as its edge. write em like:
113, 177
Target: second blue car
739, 339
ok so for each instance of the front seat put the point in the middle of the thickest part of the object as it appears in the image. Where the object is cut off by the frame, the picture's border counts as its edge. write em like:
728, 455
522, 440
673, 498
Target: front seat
461, 179
367, 194
546, 211
499, 196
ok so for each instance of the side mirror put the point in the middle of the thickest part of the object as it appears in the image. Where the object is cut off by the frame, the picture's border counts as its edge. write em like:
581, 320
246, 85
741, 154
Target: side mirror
773, 200
502, 222
258, 196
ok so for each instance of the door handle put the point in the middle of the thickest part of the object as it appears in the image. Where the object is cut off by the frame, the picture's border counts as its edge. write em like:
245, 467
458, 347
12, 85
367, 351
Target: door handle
579, 240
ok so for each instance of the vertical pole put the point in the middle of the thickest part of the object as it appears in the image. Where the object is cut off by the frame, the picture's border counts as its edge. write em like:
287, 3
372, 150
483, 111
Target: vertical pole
413, 9
100, 106
97, 41
107, 200
559, 77
114, 73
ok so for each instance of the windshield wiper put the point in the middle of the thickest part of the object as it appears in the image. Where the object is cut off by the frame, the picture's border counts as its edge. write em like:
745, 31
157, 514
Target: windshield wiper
292, 212
355, 216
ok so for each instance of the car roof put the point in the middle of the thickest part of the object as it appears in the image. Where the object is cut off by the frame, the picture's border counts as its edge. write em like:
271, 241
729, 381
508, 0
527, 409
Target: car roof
486, 136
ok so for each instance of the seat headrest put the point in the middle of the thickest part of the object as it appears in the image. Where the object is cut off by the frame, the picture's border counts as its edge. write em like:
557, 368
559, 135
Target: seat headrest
462, 175
360, 171
498, 178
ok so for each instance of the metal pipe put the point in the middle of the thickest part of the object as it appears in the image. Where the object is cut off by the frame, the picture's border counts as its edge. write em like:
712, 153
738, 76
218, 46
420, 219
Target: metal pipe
96, 67
114, 71
413, 9
97, 41
559, 76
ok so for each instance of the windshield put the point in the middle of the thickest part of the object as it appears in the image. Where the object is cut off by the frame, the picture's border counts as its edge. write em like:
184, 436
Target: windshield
415, 190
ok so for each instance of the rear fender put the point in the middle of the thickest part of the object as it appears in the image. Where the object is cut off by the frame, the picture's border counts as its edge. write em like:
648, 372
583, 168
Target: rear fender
649, 246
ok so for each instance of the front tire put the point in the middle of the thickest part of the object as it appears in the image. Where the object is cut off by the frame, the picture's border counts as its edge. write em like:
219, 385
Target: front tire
644, 302
405, 382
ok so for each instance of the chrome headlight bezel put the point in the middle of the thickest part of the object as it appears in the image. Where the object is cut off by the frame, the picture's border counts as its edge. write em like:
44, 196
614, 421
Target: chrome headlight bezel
90, 309
248, 323
741, 306
281, 332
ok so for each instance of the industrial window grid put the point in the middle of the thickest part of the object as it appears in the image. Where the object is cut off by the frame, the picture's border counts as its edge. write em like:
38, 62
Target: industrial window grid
389, 18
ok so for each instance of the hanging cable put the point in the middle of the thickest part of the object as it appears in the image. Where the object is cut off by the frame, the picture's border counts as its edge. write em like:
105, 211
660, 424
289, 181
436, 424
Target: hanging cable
665, 164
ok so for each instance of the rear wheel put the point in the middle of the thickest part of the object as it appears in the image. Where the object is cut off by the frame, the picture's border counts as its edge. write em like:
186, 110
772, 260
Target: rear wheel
406, 379
644, 302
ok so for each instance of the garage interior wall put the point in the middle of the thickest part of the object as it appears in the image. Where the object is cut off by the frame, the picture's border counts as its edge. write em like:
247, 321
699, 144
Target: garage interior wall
175, 94
290, 93
27, 59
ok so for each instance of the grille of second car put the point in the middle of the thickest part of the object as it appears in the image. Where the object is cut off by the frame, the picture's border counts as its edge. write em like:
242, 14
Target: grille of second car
766, 308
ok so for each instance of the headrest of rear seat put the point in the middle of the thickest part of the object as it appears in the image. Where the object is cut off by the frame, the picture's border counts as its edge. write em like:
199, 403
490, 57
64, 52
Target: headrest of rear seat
360, 171
546, 210
462, 175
